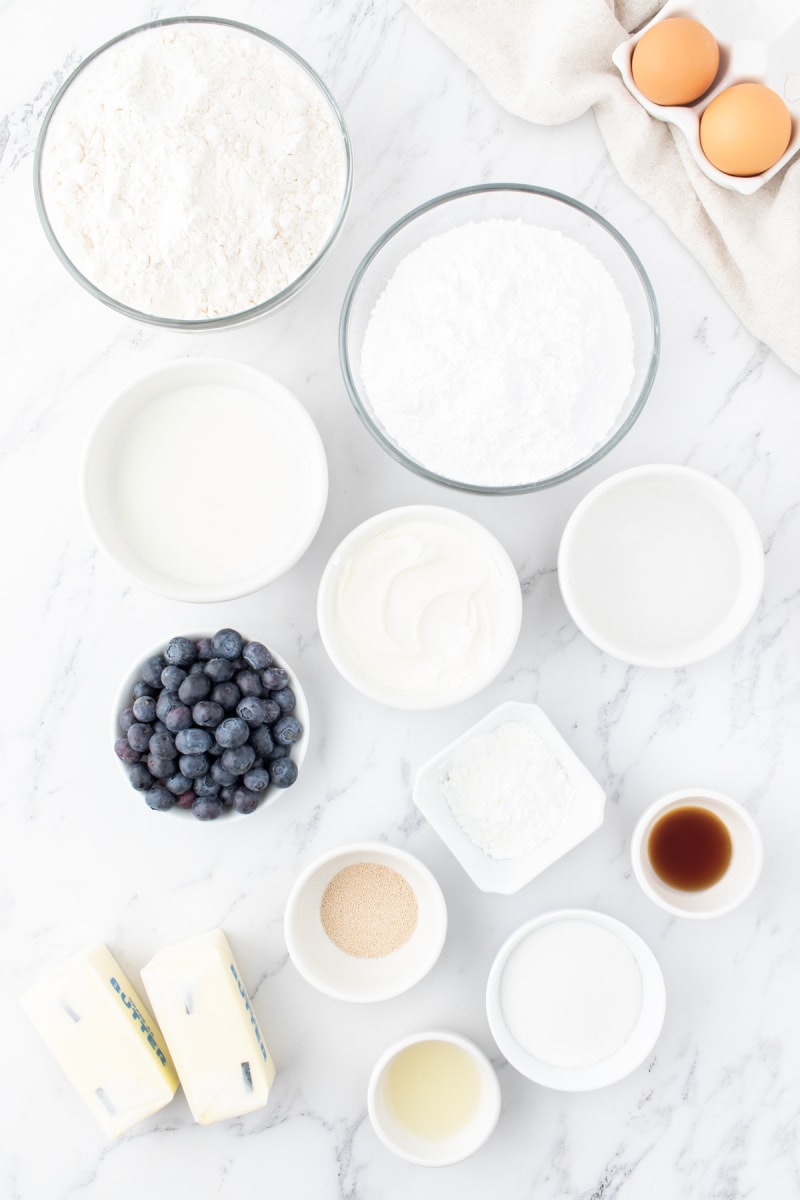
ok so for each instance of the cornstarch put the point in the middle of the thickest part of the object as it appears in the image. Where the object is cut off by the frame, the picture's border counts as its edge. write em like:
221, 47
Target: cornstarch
499, 353
193, 170
507, 790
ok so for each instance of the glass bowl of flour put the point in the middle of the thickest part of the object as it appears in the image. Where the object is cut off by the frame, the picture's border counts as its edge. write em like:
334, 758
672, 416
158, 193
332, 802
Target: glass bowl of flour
499, 339
193, 173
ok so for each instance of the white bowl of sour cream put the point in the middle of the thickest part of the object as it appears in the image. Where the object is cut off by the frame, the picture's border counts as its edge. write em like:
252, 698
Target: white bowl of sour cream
205, 480
419, 607
575, 1000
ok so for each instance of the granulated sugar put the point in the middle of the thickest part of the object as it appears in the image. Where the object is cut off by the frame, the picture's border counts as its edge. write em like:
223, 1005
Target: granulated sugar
193, 170
369, 910
507, 790
499, 353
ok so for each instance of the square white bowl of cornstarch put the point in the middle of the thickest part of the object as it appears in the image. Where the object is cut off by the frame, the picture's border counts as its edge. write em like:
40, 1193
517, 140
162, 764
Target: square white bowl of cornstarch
509, 797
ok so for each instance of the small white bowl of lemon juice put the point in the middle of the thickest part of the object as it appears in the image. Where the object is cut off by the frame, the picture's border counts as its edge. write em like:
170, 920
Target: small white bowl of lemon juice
433, 1098
205, 479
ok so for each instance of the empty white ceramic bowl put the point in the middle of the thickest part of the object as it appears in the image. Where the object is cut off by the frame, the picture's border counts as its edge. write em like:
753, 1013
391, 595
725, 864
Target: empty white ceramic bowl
630, 1054
740, 878
205, 480
661, 566
434, 1152
507, 875
124, 697
348, 977
419, 607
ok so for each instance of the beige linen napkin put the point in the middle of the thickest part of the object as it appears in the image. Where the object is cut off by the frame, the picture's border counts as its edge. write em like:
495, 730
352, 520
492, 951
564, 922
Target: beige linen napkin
550, 60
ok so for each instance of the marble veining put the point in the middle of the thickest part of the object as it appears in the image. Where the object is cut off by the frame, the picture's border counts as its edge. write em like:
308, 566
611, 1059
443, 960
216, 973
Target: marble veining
713, 1113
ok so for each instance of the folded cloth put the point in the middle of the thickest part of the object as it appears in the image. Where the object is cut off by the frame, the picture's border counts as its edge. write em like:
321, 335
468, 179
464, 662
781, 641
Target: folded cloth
550, 60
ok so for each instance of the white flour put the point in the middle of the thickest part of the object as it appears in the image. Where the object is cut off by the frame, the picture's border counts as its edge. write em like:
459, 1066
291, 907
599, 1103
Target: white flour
507, 790
499, 353
193, 171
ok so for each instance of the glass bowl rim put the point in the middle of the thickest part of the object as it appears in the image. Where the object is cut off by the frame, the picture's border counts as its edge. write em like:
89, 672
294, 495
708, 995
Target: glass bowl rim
228, 320
418, 468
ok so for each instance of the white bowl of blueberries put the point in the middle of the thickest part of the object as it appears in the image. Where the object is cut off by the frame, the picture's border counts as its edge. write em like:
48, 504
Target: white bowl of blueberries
211, 725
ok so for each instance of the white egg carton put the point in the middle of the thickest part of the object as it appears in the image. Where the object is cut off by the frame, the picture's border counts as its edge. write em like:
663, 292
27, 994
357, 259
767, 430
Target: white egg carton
759, 42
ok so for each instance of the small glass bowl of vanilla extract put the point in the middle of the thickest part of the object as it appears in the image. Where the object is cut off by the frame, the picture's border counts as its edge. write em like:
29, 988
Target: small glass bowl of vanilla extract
697, 853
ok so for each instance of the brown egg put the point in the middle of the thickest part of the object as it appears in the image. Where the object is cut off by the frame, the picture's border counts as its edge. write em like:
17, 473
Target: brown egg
745, 129
675, 61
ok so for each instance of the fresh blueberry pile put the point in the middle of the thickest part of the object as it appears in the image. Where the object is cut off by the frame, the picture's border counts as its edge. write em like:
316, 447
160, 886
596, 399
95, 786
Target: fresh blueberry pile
210, 726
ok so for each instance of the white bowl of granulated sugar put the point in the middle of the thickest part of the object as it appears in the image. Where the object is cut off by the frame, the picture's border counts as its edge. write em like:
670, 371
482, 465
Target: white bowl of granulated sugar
365, 922
509, 797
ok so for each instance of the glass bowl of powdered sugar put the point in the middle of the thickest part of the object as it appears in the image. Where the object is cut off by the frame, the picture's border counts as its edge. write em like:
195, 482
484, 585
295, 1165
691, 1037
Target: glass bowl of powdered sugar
499, 339
509, 797
193, 173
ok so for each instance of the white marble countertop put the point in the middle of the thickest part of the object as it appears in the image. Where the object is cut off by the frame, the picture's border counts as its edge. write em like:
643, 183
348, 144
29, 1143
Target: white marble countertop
713, 1114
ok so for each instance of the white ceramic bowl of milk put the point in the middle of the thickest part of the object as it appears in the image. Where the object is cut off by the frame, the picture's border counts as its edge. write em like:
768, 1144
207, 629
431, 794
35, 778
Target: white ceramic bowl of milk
205, 480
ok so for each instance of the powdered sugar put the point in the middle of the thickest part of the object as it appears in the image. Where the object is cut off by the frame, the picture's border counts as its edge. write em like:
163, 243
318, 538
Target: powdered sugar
193, 170
507, 790
499, 353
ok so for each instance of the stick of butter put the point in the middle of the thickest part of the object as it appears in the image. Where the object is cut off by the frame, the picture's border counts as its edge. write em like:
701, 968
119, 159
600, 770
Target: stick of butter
104, 1039
198, 996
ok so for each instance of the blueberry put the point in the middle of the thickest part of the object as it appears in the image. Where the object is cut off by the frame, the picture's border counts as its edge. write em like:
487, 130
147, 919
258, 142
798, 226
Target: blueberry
233, 731
257, 779
166, 701
282, 772
206, 787
227, 643
159, 727
256, 655
197, 668
162, 745
206, 809
238, 760
274, 678
245, 800
278, 752
193, 741
180, 652
287, 730
140, 778
272, 709
125, 751
215, 750
186, 799
207, 713
144, 708
139, 737
221, 776
178, 784
226, 694
179, 717
172, 678
261, 740
126, 719
140, 688
285, 699
226, 795
159, 798
219, 670
150, 671
160, 768
249, 683
193, 765
194, 688
252, 710
204, 648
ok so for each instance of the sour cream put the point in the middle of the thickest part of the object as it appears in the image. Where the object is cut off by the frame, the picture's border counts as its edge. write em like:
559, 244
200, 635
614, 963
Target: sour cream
420, 607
